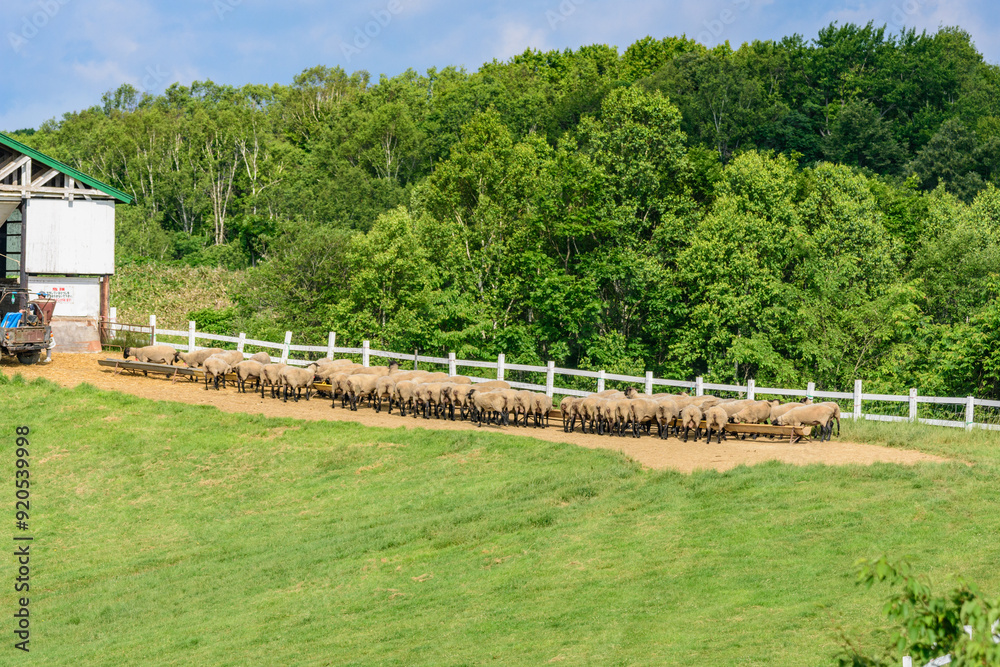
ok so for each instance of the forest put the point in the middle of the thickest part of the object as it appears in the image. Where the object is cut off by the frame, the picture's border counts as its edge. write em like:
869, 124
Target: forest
810, 209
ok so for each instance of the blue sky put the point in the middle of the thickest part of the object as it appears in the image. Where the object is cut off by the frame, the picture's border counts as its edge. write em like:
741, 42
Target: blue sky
61, 55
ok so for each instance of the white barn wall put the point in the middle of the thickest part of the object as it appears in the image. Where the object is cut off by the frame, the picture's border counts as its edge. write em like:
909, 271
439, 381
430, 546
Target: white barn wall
70, 236
75, 297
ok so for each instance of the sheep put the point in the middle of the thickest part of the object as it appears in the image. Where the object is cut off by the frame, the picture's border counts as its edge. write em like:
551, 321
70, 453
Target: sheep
339, 383
405, 390
262, 358
460, 396
666, 413
360, 385
588, 412
612, 412
156, 354
271, 375
459, 379
216, 367
632, 392
451, 396
568, 408
198, 357
246, 370
780, 409
817, 414
715, 420
491, 385
385, 388
425, 394
232, 357
706, 401
755, 413
610, 393
540, 407
731, 407
836, 416
691, 417
490, 403
641, 410
400, 376
295, 380
522, 403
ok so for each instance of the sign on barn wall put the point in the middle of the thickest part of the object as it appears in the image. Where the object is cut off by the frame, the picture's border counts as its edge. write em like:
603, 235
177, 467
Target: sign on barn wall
75, 297
66, 237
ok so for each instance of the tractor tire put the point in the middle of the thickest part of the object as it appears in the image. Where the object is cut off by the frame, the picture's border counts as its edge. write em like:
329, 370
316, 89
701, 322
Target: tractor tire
29, 357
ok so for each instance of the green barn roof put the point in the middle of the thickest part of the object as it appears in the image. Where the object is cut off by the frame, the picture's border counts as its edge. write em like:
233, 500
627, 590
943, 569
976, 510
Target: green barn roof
52, 163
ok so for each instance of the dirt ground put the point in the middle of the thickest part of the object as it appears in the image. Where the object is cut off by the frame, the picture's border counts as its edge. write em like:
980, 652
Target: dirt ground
70, 370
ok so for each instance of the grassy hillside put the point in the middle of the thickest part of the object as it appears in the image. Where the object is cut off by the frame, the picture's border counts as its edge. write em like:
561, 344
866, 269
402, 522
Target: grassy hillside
170, 534
169, 292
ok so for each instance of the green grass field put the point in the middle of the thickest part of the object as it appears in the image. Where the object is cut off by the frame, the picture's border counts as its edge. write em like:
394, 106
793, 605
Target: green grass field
168, 534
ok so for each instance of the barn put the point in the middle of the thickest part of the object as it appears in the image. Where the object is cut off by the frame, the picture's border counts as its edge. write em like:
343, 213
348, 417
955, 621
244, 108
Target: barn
58, 236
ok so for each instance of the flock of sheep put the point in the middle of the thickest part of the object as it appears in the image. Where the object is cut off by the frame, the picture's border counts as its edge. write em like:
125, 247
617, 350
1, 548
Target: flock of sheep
493, 402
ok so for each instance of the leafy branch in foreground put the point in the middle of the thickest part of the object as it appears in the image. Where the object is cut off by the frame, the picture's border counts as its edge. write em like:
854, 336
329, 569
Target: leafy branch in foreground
928, 624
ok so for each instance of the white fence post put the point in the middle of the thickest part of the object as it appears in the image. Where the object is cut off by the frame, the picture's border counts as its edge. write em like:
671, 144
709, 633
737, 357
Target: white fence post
500, 362
243, 342
112, 321
415, 355
284, 350
331, 342
970, 413
550, 378
810, 389
600, 381
649, 382
751, 389
907, 661
452, 366
913, 404
365, 353
699, 388
191, 336
152, 325
857, 399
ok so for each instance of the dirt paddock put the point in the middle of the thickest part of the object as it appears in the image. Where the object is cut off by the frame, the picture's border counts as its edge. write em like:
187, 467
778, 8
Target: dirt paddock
70, 370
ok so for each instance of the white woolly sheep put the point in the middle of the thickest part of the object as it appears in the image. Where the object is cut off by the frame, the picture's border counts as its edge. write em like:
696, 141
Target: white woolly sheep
541, 405
360, 386
295, 380
490, 405
715, 420
216, 368
246, 370
817, 414
691, 417
198, 357
271, 375
154, 354
262, 358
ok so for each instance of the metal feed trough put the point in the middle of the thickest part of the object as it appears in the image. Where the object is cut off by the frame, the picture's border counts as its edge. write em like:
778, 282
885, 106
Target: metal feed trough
166, 369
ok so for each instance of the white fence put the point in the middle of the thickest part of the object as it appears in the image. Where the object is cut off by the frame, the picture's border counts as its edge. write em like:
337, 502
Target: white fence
648, 382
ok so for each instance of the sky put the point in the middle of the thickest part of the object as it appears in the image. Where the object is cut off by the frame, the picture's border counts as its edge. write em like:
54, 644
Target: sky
62, 55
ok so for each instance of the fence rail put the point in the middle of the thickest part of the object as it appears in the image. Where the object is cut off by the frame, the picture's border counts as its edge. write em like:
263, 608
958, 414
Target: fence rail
500, 367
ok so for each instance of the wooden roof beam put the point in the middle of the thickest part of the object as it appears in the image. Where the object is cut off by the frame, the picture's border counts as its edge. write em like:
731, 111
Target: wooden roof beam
13, 165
